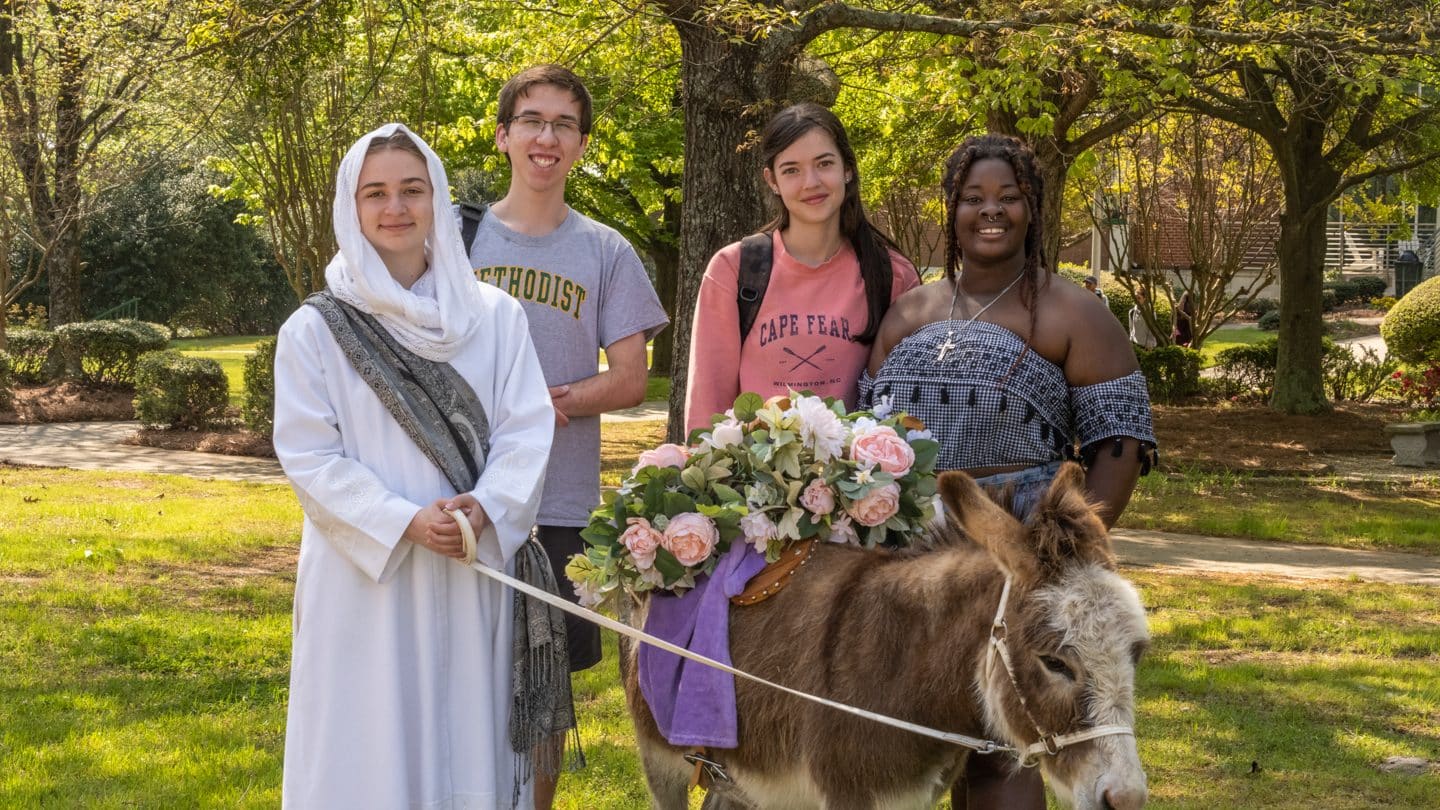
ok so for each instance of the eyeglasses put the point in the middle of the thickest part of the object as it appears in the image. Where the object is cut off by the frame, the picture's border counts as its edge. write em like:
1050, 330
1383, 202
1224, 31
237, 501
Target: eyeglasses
532, 125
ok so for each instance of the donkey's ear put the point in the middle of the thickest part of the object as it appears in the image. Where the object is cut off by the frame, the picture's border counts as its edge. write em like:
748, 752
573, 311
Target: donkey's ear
986, 523
1065, 527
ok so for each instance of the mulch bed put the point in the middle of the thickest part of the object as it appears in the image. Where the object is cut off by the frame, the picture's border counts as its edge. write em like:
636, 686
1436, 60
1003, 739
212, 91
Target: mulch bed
1255, 438
224, 442
69, 402
77, 402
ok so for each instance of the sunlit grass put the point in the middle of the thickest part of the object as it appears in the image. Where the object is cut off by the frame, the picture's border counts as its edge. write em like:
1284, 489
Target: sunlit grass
229, 352
1321, 510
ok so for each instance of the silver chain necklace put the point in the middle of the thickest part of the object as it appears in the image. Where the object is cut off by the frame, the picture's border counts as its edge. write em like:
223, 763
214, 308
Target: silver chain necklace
950, 345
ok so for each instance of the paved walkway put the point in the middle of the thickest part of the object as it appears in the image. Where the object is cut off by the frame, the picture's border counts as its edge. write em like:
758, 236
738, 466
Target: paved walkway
97, 446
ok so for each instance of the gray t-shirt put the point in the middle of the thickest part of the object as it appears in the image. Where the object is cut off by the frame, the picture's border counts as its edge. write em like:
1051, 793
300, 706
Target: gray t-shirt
583, 288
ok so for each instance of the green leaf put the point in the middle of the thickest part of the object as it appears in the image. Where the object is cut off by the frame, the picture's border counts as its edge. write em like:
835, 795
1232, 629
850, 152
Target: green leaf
678, 502
600, 535
746, 406
694, 478
926, 452
726, 494
670, 568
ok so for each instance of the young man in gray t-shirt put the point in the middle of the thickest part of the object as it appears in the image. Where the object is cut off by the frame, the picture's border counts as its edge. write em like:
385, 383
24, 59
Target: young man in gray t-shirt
583, 288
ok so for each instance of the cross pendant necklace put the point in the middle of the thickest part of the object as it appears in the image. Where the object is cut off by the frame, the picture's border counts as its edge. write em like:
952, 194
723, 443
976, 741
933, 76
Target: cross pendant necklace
949, 344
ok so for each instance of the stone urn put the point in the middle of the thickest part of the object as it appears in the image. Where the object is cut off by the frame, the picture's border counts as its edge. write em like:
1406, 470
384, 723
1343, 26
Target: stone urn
1416, 444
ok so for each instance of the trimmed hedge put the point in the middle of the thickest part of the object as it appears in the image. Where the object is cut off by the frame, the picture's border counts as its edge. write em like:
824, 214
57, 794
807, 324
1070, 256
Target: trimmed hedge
1270, 321
1357, 290
31, 350
7, 378
1251, 370
1260, 306
174, 390
1171, 372
108, 351
1412, 327
259, 407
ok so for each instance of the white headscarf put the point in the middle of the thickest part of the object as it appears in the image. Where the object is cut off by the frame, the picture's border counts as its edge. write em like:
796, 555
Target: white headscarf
437, 328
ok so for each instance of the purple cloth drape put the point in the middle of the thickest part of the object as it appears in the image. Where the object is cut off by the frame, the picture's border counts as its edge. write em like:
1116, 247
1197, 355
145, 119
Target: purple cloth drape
694, 704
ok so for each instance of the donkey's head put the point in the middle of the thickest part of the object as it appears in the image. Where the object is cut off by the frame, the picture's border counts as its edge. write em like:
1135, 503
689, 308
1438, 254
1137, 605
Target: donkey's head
1072, 632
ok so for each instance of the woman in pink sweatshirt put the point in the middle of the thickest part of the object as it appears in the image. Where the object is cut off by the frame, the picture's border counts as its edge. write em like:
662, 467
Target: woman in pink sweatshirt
833, 275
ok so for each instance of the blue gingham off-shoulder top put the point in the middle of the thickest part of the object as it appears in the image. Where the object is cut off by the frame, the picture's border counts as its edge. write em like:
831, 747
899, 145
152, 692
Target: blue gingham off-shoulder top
988, 410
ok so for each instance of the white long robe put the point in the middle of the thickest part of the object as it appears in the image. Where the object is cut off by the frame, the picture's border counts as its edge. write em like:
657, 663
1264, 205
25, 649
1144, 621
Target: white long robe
400, 673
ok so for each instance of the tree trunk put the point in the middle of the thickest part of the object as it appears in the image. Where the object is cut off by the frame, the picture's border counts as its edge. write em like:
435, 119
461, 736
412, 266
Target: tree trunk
63, 272
723, 83
667, 278
1299, 383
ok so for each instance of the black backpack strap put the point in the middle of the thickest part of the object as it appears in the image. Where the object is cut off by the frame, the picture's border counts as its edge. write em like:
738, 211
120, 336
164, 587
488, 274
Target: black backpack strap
470, 215
757, 252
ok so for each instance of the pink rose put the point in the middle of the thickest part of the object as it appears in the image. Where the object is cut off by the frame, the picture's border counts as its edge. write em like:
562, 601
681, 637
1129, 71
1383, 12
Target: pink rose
882, 447
878, 506
690, 536
642, 540
818, 497
666, 455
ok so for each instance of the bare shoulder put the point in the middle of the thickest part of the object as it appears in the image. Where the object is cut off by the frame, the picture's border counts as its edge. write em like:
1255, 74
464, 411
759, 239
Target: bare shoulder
1097, 346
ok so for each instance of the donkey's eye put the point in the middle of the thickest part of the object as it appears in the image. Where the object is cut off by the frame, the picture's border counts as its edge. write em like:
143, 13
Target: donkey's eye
1057, 666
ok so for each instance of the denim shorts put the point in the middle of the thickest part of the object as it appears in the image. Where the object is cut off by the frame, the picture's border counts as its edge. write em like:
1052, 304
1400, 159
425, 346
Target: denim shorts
1025, 487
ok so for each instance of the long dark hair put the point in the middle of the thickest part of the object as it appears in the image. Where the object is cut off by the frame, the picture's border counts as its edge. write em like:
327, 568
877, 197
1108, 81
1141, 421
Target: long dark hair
872, 247
1027, 176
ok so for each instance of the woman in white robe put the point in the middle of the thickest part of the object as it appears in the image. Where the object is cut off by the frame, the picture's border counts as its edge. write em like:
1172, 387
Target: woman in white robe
400, 687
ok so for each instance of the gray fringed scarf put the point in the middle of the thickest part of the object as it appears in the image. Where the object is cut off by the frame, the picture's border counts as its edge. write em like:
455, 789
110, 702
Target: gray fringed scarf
439, 411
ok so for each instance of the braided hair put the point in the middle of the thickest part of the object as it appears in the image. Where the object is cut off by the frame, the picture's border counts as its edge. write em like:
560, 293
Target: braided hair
1027, 176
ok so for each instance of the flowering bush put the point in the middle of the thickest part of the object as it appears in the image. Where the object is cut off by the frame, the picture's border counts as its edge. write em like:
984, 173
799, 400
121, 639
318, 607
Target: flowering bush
1420, 388
766, 473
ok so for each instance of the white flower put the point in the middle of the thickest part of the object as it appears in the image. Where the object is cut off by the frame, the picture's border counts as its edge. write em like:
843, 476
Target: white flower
863, 476
759, 530
761, 495
842, 532
821, 431
862, 425
916, 435
652, 577
883, 408
724, 434
589, 594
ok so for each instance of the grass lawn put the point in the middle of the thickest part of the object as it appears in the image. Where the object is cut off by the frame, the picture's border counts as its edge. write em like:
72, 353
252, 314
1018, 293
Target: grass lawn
229, 352
1222, 339
1324, 510
152, 671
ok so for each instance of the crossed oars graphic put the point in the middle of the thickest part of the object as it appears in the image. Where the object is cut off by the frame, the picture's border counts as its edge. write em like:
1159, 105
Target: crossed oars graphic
804, 361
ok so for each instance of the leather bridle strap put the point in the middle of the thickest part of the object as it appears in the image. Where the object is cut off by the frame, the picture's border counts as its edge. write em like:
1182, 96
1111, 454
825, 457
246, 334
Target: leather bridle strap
1048, 743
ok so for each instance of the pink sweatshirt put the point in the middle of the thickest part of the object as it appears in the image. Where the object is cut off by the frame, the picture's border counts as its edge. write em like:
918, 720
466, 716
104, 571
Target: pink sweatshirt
801, 337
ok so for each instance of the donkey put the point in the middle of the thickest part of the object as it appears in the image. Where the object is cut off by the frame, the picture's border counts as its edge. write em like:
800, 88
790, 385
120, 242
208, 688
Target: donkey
910, 634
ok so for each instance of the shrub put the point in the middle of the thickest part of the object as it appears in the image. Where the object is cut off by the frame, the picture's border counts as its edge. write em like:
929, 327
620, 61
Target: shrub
1171, 372
1383, 303
259, 407
1412, 327
7, 378
107, 351
173, 390
1270, 321
1249, 369
1356, 378
31, 351
1328, 300
1367, 287
1420, 388
1260, 306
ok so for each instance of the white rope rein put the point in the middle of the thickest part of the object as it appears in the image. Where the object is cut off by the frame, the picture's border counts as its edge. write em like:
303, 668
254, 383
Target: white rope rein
1027, 755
